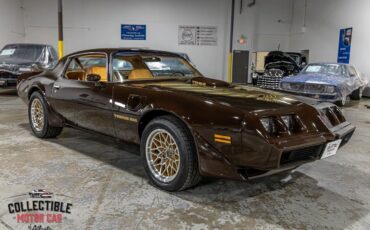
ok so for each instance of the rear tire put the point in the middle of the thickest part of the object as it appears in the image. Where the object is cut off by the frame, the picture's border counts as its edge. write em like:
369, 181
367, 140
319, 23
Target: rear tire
357, 94
38, 112
169, 154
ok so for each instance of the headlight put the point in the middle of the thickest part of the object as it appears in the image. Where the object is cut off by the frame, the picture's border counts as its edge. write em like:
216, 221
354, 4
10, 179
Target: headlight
288, 121
269, 125
25, 69
330, 89
285, 85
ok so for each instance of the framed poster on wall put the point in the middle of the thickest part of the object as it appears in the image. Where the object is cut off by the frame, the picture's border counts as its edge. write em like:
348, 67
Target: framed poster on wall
133, 32
198, 35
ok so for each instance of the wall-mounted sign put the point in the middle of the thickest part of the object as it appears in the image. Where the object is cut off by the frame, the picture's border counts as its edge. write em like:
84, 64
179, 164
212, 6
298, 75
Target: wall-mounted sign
198, 35
345, 41
133, 32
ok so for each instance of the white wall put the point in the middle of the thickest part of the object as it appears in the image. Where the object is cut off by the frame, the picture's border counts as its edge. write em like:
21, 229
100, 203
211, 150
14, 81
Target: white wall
96, 23
324, 20
266, 25
273, 24
11, 22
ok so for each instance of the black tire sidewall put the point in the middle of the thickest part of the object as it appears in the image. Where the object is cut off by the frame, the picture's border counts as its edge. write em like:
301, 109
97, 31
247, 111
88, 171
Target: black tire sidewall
340, 103
185, 154
357, 94
42, 133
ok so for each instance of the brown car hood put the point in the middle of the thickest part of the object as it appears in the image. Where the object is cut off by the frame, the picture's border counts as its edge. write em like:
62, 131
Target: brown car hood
218, 92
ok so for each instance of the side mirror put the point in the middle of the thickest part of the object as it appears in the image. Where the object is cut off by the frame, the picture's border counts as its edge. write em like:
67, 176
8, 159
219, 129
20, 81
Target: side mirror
93, 77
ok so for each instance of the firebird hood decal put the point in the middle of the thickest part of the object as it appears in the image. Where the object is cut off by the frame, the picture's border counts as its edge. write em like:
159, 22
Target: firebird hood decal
241, 92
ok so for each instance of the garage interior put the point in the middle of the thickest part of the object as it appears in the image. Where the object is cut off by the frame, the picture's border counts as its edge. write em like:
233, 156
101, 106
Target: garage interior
104, 179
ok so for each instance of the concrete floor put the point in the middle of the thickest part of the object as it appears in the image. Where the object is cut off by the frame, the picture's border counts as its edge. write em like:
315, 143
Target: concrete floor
107, 186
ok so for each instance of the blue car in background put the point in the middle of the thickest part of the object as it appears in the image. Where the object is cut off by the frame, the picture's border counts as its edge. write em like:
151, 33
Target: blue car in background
330, 82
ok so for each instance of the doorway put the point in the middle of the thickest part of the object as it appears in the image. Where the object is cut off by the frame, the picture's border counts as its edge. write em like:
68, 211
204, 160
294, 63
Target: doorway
240, 66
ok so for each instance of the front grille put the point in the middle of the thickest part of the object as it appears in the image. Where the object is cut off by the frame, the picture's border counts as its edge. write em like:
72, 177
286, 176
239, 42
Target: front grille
305, 154
270, 79
266, 81
306, 88
314, 88
6, 75
297, 87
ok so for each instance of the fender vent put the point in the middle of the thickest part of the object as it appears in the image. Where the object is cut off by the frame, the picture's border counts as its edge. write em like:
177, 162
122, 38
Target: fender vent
135, 102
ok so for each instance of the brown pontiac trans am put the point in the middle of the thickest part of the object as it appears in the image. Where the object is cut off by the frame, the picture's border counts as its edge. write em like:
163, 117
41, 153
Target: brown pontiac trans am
187, 125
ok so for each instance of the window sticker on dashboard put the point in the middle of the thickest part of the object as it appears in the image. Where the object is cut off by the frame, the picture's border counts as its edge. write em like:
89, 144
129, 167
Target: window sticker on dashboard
7, 52
313, 69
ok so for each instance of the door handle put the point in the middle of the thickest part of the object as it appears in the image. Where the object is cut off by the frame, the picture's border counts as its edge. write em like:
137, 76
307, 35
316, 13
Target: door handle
56, 88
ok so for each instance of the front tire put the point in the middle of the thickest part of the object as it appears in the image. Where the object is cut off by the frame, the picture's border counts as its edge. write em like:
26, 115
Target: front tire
343, 101
357, 94
169, 154
38, 113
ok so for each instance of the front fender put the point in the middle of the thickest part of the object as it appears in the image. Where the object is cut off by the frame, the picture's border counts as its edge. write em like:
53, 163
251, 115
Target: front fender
206, 120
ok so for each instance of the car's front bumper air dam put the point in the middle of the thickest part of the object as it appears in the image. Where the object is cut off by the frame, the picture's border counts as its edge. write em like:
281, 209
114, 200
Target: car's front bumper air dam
344, 131
215, 164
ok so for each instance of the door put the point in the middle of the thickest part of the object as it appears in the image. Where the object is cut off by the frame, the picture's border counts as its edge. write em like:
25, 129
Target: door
240, 66
128, 101
84, 94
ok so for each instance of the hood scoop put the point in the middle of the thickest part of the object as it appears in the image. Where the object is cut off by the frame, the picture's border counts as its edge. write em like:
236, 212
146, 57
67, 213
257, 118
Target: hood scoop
208, 82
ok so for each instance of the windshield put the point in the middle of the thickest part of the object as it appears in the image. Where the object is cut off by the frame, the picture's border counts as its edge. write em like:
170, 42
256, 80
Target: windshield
90, 61
134, 67
331, 69
169, 66
27, 52
295, 57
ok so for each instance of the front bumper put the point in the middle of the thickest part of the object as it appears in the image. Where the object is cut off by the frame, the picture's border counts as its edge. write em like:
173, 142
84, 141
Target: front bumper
320, 97
269, 158
5, 83
8, 79
344, 131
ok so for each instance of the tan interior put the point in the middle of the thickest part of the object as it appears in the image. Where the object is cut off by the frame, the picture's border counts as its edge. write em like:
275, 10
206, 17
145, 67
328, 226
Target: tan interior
75, 75
82, 74
101, 71
138, 74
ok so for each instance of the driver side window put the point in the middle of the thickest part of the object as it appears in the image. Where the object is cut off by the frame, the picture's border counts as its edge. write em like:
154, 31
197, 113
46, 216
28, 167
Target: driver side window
80, 67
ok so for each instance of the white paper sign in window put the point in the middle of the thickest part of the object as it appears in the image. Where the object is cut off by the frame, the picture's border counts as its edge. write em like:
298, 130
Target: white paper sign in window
7, 52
